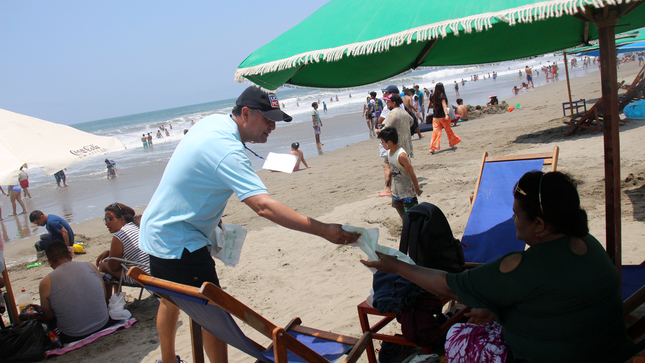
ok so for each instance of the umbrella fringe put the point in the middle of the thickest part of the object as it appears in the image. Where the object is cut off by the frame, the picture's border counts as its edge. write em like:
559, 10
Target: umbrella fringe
481, 22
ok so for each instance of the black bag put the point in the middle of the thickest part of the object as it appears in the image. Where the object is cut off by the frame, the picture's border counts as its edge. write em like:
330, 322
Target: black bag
428, 240
25, 342
415, 121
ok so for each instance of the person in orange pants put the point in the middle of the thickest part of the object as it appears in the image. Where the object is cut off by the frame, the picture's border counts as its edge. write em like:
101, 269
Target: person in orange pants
441, 120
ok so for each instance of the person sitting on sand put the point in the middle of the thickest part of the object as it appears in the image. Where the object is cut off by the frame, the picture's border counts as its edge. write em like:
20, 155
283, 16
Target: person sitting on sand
73, 294
557, 301
57, 227
15, 192
493, 100
406, 186
301, 156
462, 110
121, 221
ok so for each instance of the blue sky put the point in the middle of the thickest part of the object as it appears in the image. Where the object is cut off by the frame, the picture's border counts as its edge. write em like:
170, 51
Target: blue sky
77, 61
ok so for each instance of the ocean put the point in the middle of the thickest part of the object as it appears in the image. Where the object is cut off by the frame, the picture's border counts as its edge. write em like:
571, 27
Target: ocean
139, 170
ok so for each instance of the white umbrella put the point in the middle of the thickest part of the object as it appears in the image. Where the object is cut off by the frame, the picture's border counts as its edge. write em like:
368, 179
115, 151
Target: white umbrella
50, 146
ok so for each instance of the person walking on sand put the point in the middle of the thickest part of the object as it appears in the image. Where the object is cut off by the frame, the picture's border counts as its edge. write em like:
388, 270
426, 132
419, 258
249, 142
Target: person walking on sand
406, 186
144, 140
367, 112
529, 76
15, 196
324, 107
411, 103
315, 117
295, 150
207, 167
441, 119
23, 178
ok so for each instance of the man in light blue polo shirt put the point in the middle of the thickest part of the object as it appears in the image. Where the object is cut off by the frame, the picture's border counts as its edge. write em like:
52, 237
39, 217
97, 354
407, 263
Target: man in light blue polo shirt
207, 167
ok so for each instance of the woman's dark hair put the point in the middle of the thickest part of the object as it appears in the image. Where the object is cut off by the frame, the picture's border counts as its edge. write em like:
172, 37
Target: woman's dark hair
295, 145
553, 197
122, 210
436, 96
396, 98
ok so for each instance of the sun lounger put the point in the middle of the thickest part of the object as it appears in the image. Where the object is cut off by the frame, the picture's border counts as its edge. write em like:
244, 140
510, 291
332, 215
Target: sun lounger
210, 307
490, 230
593, 119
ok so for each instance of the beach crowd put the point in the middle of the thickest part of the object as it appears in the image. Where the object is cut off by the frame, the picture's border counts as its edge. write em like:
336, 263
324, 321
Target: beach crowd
519, 294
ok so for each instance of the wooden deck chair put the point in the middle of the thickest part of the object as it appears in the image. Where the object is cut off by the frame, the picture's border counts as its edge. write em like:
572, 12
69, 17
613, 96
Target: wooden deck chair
210, 307
593, 119
364, 310
633, 293
12, 310
490, 230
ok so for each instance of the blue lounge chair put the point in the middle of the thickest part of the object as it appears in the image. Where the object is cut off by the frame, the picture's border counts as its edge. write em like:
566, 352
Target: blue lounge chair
490, 231
210, 307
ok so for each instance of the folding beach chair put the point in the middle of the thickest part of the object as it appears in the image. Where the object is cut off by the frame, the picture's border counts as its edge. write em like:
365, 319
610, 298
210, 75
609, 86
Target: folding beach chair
210, 307
490, 230
593, 118
114, 286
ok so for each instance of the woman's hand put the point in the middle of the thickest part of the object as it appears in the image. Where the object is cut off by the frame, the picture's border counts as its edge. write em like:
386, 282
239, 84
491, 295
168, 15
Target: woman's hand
387, 263
102, 257
480, 316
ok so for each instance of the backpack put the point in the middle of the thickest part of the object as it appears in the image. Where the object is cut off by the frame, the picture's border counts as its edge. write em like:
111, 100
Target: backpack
415, 121
428, 240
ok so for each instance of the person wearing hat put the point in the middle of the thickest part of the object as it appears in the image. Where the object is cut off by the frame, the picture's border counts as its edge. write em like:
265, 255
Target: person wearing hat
493, 100
206, 168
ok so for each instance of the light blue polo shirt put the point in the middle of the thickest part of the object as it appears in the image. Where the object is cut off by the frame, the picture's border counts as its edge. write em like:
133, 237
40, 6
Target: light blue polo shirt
207, 167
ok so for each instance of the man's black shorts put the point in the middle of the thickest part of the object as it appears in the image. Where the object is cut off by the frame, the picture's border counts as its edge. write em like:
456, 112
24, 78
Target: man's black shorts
192, 269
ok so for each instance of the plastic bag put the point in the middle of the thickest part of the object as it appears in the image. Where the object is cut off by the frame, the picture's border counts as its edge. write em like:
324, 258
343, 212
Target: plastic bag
227, 243
24, 343
116, 307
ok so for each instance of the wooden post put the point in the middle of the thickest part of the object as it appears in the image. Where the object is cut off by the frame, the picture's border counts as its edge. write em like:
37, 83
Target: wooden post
566, 69
609, 85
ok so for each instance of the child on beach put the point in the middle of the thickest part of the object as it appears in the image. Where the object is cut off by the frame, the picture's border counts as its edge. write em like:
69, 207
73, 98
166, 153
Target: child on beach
405, 185
315, 117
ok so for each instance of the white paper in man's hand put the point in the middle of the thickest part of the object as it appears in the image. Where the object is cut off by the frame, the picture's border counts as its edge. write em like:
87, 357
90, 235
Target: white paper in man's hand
280, 162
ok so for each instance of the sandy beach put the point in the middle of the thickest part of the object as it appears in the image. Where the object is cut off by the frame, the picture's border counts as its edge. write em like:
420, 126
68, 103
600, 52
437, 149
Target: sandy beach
283, 274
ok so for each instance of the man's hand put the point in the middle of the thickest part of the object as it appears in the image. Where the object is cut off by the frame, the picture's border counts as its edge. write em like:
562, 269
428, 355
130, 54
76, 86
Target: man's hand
336, 234
419, 191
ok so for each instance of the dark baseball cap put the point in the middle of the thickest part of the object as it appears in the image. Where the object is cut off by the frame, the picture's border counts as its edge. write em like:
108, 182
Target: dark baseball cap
391, 89
267, 103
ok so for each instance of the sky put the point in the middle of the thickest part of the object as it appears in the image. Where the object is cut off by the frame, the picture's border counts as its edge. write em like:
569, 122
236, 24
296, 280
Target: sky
77, 61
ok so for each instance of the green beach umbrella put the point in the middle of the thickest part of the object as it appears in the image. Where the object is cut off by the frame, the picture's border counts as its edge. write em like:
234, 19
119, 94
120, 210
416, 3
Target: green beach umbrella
352, 43
349, 43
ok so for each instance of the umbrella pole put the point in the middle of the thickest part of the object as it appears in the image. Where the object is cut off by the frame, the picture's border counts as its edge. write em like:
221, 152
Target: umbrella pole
566, 69
12, 299
609, 85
